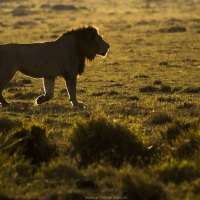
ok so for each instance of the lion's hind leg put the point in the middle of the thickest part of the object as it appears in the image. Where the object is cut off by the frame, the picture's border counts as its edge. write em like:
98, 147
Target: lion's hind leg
4, 80
48, 84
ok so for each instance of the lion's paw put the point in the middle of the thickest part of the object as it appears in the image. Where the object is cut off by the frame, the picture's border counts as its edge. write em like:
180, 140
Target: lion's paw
5, 104
78, 104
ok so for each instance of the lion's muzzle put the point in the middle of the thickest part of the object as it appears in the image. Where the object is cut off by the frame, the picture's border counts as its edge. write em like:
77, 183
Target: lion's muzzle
104, 49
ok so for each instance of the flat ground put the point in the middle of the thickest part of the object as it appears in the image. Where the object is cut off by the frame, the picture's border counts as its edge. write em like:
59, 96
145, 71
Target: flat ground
149, 79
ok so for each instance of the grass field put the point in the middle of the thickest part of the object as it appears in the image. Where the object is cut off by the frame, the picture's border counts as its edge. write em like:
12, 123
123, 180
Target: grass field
138, 136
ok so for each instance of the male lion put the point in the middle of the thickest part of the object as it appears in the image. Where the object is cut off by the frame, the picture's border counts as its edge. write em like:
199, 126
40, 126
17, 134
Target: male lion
63, 57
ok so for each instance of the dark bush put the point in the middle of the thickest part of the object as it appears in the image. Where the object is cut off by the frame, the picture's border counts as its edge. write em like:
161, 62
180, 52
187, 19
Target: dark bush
165, 88
133, 98
157, 82
99, 139
178, 172
61, 170
184, 138
160, 119
192, 90
186, 105
31, 143
173, 29
141, 187
148, 89
61, 7
177, 129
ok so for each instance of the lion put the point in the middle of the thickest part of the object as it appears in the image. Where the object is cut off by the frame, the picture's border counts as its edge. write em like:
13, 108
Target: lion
63, 57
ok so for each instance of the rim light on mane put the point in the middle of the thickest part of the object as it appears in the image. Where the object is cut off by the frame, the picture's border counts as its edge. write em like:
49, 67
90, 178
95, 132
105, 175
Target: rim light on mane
80, 31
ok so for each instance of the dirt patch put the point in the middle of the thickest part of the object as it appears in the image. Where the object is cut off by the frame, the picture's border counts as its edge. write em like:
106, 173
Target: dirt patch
192, 90
145, 23
22, 11
148, 89
141, 76
165, 88
173, 29
175, 21
61, 7
20, 24
133, 98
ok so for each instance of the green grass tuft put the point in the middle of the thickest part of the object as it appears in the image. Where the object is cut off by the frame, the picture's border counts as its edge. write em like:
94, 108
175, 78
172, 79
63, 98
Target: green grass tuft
148, 88
142, 186
160, 119
102, 139
178, 171
61, 170
30, 142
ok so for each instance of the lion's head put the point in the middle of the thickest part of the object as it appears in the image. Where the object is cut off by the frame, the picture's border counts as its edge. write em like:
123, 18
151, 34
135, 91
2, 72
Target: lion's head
89, 42
95, 45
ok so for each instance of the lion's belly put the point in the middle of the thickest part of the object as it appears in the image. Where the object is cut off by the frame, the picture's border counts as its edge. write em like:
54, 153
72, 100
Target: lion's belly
39, 72
38, 67
38, 60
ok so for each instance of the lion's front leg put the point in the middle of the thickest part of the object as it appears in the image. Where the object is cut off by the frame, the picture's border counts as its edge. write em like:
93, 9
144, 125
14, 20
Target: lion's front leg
71, 88
3, 102
48, 84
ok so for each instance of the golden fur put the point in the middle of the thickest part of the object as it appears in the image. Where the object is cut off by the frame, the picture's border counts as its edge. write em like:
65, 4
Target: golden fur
63, 57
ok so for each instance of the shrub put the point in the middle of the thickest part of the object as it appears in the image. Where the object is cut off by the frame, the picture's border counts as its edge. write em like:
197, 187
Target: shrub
192, 90
160, 119
61, 170
186, 105
184, 138
173, 29
133, 98
186, 147
165, 88
148, 88
14, 170
157, 82
101, 139
176, 129
140, 186
29, 142
178, 171
61, 7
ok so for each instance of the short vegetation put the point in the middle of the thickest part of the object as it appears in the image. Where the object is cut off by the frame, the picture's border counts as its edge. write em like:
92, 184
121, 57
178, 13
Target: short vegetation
99, 155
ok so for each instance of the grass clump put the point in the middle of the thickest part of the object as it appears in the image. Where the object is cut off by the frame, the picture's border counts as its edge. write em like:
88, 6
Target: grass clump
148, 88
160, 119
185, 139
157, 82
61, 170
178, 171
100, 139
165, 89
14, 170
141, 186
191, 90
30, 142
179, 128
61, 7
